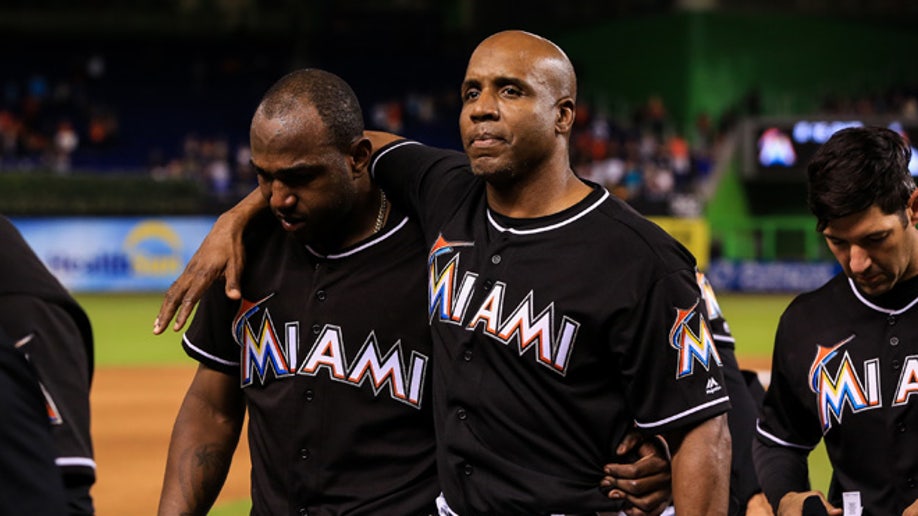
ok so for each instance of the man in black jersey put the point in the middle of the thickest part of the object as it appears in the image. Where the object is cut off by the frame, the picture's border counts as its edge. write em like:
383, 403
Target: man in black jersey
334, 377
845, 362
561, 318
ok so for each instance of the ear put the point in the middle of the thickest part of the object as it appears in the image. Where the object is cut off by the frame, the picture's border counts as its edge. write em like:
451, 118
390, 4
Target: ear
565, 115
359, 159
911, 209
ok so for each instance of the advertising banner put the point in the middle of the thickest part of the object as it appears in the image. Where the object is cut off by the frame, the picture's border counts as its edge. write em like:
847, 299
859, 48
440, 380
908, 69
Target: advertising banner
100, 254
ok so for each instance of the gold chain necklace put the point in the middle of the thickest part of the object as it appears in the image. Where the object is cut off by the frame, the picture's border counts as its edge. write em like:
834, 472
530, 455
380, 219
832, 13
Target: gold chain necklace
381, 216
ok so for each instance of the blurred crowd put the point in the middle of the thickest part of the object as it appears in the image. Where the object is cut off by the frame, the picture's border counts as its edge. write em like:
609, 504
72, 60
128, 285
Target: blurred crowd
77, 118
45, 118
645, 160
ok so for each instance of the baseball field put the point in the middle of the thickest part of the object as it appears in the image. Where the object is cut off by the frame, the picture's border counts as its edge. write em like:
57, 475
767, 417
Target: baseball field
140, 380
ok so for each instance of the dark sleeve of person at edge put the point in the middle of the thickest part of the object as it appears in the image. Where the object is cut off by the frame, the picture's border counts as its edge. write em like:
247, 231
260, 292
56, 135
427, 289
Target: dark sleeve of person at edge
34, 304
746, 394
30, 482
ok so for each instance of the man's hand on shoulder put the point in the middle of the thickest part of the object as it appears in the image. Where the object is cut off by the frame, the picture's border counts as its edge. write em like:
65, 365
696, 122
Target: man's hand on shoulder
221, 255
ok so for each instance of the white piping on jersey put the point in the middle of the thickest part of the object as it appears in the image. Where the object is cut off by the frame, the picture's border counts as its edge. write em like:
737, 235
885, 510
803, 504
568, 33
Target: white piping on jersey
864, 300
363, 246
776, 440
206, 354
681, 415
724, 338
557, 225
383, 153
75, 461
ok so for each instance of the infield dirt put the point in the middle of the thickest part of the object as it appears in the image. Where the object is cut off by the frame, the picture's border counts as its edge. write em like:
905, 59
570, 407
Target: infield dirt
133, 409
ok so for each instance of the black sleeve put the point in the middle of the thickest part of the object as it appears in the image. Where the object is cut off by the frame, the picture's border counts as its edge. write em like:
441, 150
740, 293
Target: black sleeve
781, 470
425, 181
741, 419
31, 483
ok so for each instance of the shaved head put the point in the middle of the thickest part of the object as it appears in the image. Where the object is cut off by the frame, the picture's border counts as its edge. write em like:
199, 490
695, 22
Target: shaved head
537, 51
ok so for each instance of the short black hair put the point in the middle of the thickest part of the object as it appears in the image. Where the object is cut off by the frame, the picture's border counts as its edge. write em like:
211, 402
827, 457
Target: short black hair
857, 168
332, 97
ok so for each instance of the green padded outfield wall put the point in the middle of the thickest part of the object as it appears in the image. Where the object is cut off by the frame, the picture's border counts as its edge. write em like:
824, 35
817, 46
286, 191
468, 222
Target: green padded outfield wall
712, 62
709, 62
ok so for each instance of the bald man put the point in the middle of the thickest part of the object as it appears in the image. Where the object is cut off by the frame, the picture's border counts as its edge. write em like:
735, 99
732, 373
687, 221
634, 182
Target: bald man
560, 317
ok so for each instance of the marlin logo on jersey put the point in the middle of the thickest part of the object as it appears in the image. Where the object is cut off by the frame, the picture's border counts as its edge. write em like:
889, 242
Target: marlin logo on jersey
262, 350
449, 299
693, 347
833, 392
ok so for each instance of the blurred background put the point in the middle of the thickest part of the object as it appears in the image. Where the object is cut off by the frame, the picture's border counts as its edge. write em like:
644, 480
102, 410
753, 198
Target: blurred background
124, 132
703, 111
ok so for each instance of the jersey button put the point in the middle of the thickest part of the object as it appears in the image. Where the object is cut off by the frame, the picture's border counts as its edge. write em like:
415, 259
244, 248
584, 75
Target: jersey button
462, 414
894, 341
895, 364
910, 481
310, 394
320, 295
467, 470
495, 259
901, 427
488, 284
316, 329
303, 511
304, 454
467, 355
891, 320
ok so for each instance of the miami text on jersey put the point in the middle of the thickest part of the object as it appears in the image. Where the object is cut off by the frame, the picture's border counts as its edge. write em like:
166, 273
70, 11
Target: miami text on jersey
449, 300
262, 350
692, 346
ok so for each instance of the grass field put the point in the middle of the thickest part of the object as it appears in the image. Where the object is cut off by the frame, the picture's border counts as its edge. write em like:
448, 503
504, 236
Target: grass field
123, 324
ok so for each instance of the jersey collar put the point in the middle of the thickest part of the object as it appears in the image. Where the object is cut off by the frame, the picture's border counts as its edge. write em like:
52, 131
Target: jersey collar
370, 242
515, 226
905, 294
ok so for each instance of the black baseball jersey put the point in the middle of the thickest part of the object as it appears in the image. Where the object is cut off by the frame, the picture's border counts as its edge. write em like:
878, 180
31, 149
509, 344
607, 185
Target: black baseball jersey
30, 483
844, 370
552, 336
59, 343
333, 357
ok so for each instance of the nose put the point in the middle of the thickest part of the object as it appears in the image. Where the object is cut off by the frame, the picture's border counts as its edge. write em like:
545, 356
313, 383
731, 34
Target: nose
484, 107
281, 196
859, 260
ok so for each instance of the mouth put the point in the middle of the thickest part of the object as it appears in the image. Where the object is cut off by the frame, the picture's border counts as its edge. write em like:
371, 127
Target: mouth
869, 281
485, 141
289, 223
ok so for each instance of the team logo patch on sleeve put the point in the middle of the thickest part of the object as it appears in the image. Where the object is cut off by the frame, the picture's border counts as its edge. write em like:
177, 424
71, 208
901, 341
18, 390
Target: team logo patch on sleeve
694, 344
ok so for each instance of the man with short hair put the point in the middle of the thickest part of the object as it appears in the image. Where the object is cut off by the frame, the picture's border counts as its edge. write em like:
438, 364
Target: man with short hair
845, 365
560, 316
334, 377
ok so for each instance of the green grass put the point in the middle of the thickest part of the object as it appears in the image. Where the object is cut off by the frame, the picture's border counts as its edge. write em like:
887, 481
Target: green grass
122, 325
753, 320
123, 328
